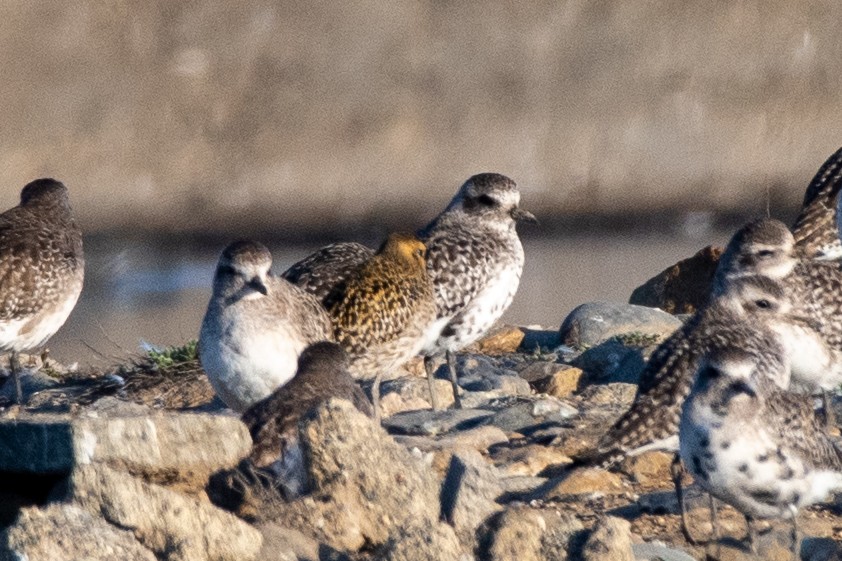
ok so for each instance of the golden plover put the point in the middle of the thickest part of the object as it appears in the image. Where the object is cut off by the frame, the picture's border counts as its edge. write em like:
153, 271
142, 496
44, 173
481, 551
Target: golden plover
255, 326
273, 422
752, 445
475, 259
381, 312
42, 269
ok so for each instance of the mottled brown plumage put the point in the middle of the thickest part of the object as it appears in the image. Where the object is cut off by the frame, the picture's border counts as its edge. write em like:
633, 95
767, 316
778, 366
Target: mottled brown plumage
41, 268
322, 374
382, 312
322, 271
816, 229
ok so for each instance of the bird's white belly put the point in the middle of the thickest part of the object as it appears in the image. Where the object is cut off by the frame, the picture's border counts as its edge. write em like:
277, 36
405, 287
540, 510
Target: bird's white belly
244, 368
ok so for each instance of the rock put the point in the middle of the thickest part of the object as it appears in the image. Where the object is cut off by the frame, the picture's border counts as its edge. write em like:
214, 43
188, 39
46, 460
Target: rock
820, 549
611, 362
190, 446
584, 481
610, 540
593, 323
431, 423
500, 340
682, 288
504, 384
174, 526
516, 534
414, 394
64, 531
617, 393
529, 413
479, 438
536, 338
521, 484
469, 493
286, 544
522, 533
658, 552
422, 543
649, 467
366, 487
31, 382
563, 382
528, 460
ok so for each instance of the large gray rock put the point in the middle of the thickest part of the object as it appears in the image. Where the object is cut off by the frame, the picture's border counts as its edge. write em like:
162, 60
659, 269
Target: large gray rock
595, 322
64, 531
469, 493
432, 423
365, 486
423, 543
176, 527
189, 445
610, 540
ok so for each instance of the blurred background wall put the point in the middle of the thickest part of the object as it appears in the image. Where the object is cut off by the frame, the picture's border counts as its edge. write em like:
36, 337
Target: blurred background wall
261, 116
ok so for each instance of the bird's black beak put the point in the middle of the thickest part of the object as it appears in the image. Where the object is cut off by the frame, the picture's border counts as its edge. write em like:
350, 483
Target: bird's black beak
520, 215
258, 284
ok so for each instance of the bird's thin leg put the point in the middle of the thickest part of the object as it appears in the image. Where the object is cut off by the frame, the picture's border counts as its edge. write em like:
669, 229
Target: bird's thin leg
375, 396
429, 366
795, 540
829, 414
677, 471
714, 522
451, 366
14, 365
752, 534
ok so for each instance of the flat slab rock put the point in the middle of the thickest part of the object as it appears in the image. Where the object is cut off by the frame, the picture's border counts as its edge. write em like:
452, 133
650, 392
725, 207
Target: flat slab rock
140, 444
431, 423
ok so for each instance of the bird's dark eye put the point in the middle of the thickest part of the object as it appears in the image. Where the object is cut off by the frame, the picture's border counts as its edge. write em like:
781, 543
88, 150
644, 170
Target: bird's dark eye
765, 304
486, 200
765, 253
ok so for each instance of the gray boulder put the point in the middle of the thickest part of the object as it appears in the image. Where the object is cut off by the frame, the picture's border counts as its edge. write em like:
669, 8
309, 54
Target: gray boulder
595, 322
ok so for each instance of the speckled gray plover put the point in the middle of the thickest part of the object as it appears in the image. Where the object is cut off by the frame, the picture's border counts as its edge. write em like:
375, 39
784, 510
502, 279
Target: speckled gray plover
475, 259
42, 269
273, 422
255, 326
382, 312
755, 313
753, 445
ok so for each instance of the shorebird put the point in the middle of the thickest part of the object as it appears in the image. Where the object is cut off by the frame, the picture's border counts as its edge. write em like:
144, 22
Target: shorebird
273, 422
817, 226
382, 312
475, 259
255, 326
322, 271
753, 445
42, 269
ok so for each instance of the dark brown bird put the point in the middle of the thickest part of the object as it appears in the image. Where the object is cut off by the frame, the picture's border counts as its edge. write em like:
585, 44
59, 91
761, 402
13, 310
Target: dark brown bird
383, 312
322, 374
42, 269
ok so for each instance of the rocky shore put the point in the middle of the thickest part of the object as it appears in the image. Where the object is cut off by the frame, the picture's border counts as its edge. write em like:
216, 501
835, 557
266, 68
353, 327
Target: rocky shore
143, 463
